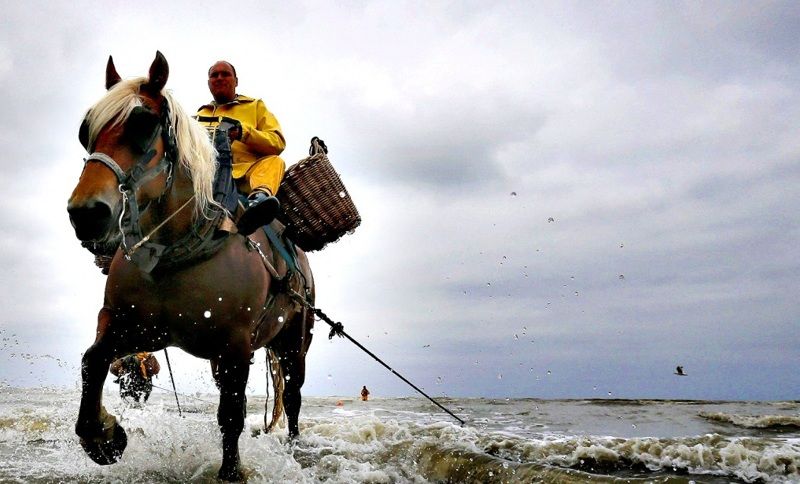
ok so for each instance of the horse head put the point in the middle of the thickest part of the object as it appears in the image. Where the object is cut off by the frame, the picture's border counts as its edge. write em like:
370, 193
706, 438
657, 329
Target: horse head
130, 140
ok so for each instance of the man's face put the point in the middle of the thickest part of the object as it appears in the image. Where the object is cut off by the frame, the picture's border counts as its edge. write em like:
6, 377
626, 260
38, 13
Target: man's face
222, 83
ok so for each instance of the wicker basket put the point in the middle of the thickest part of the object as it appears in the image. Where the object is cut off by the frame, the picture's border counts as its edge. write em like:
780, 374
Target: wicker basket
317, 209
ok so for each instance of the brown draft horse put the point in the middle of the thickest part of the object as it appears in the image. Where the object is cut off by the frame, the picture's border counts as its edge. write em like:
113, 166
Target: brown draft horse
149, 165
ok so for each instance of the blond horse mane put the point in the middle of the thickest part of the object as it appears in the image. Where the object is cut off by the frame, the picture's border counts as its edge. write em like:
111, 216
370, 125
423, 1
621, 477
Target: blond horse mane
195, 151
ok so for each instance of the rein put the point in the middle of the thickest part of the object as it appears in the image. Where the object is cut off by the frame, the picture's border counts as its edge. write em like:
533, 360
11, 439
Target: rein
147, 237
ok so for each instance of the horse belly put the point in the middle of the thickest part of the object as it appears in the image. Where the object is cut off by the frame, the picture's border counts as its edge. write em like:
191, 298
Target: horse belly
194, 309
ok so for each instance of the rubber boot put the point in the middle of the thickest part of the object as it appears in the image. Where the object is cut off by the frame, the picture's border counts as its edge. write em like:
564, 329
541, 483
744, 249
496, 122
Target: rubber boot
261, 209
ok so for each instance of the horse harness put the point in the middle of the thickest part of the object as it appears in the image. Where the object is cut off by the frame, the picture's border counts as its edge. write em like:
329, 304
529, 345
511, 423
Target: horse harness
147, 127
200, 241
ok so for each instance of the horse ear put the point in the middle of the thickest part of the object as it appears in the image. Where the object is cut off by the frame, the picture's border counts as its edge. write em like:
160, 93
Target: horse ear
159, 72
111, 74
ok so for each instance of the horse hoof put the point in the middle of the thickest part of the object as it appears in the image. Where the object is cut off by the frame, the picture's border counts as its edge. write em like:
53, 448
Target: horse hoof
107, 448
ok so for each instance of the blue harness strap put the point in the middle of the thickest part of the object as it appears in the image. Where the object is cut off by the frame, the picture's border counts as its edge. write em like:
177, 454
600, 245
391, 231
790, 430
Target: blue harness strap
284, 246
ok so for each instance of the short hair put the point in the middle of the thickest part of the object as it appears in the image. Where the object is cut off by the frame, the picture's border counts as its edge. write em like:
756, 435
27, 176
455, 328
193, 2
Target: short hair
229, 64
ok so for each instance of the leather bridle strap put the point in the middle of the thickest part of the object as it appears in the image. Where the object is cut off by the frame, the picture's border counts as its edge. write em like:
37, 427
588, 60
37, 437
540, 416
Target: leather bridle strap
109, 162
138, 175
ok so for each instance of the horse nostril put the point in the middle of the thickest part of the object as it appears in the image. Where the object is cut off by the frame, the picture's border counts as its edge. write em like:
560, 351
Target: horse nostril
91, 220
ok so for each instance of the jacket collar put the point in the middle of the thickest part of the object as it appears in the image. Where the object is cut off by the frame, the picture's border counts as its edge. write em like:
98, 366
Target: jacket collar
239, 99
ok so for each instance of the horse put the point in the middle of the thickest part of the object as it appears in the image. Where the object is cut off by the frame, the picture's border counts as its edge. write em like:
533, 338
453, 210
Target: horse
181, 275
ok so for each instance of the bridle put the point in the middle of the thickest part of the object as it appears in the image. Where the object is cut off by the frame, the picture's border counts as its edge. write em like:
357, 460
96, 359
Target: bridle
131, 181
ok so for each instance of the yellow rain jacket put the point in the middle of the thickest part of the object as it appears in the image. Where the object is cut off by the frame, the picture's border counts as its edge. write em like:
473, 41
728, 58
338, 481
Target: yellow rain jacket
256, 164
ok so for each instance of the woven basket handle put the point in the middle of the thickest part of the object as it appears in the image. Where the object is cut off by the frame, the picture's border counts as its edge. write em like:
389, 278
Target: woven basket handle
317, 146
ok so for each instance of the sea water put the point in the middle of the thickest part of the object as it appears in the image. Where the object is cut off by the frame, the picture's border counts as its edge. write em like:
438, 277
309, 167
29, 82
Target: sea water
344, 440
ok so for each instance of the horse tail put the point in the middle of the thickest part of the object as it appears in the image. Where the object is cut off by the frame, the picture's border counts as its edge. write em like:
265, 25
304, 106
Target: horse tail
274, 367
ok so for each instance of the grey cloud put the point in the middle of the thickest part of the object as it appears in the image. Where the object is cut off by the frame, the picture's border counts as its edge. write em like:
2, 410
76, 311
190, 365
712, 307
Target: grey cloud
659, 137
444, 142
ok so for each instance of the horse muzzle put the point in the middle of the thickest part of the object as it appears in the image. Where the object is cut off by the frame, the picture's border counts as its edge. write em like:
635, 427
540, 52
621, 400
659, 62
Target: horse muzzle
92, 219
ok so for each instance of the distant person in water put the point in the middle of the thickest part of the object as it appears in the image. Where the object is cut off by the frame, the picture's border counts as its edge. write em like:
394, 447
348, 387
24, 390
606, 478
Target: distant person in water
679, 371
135, 375
364, 394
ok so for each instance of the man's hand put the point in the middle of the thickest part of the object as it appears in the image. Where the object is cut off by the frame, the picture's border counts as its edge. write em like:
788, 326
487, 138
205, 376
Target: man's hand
235, 129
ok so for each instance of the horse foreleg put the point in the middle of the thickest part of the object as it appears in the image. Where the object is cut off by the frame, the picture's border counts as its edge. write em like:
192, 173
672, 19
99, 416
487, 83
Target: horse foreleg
103, 439
232, 378
215, 371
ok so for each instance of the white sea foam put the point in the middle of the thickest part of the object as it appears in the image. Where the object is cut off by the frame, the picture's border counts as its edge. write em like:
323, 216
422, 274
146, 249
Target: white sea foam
389, 440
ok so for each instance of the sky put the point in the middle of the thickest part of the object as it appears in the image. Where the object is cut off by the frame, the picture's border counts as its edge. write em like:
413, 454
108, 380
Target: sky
559, 199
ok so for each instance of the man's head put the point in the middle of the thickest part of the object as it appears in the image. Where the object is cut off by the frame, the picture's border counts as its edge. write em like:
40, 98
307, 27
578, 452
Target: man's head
222, 81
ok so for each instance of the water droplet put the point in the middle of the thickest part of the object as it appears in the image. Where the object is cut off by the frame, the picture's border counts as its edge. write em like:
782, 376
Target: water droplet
438, 380
549, 372
609, 394
576, 293
330, 376
550, 220
500, 376
516, 336
342, 194
280, 319
248, 308
207, 314
621, 277
287, 377
633, 425
513, 194
220, 299
488, 284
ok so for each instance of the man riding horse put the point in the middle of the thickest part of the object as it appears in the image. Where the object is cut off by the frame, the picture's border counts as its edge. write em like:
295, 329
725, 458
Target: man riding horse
256, 142
179, 276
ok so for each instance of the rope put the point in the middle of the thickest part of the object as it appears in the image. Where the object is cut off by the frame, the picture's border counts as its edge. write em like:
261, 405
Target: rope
169, 367
337, 329
147, 237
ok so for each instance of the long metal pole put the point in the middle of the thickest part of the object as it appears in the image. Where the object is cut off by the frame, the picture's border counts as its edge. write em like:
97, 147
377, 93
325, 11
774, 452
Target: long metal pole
169, 367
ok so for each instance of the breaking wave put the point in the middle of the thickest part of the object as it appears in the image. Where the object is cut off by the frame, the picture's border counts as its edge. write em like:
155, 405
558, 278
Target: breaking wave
774, 422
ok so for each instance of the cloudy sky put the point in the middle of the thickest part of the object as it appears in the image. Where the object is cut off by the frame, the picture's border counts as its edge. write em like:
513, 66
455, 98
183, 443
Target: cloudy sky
559, 199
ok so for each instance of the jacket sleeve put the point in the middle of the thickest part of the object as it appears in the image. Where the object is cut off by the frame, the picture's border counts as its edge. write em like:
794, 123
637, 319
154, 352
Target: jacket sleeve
265, 138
